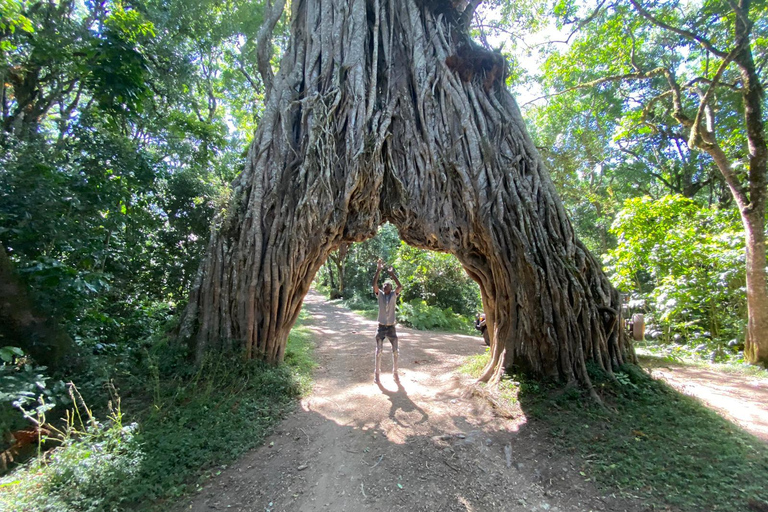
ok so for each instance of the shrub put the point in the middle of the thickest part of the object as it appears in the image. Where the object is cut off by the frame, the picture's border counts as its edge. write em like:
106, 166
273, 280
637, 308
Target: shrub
419, 315
686, 263
195, 423
438, 279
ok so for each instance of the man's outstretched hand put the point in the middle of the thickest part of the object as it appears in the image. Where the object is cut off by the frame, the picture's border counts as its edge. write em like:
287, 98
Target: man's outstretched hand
380, 264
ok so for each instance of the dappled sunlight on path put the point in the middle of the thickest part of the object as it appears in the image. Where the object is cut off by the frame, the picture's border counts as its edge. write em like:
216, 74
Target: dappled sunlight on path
345, 393
424, 443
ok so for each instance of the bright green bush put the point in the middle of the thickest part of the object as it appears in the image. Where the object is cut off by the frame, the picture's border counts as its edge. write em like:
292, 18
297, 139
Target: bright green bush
422, 316
438, 279
686, 263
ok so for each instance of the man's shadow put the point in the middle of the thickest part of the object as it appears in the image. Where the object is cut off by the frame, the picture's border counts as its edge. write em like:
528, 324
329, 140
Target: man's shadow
401, 402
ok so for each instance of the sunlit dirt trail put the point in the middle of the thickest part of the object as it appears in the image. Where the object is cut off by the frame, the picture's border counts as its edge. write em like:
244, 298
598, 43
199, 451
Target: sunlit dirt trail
425, 444
739, 398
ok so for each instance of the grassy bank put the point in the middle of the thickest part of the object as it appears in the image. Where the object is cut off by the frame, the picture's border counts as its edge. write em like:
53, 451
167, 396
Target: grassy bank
651, 443
653, 359
166, 443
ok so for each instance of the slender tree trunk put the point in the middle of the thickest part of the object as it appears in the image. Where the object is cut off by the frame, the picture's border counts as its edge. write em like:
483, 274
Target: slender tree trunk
751, 206
384, 110
331, 281
756, 340
339, 259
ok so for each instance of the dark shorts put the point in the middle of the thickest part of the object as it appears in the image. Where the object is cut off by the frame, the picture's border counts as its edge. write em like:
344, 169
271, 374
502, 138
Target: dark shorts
386, 331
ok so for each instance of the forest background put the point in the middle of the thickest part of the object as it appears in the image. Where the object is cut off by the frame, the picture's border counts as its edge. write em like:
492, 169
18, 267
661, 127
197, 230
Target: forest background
123, 123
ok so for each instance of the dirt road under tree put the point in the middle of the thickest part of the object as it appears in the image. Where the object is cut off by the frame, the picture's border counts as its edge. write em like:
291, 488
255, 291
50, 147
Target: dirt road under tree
424, 444
741, 399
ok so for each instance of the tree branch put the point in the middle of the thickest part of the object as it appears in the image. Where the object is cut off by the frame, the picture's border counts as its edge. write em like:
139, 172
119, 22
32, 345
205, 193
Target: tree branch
705, 43
740, 13
586, 20
599, 81
696, 135
264, 45
658, 176
704, 80
677, 100
248, 77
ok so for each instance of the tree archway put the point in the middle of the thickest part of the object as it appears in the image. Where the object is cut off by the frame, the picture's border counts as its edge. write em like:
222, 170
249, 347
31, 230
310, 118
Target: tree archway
385, 110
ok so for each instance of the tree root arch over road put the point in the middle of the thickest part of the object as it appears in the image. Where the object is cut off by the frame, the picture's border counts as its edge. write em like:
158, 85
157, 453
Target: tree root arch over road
384, 110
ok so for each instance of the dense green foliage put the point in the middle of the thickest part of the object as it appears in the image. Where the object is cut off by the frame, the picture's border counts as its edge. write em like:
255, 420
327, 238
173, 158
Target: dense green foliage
686, 262
191, 424
108, 191
437, 293
122, 125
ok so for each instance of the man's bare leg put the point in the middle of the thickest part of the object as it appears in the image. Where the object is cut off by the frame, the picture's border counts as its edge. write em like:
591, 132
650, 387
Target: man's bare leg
394, 366
395, 353
377, 371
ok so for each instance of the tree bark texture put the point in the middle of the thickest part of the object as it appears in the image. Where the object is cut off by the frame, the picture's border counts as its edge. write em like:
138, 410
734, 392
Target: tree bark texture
750, 194
753, 214
384, 110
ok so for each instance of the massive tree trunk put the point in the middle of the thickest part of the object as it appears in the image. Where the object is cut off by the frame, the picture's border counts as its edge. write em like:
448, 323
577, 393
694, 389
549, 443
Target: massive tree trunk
384, 110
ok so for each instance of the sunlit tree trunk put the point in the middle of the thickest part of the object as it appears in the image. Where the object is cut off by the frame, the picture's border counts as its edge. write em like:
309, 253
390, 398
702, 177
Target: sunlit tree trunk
384, 110
750, 193
756, 340
339, 260
753, 215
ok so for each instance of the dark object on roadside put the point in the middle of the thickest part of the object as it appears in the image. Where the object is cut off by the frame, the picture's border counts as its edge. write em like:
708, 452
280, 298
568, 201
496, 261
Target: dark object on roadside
757, 505
480, 326
736, 345
636, 326
23, 444
634, 320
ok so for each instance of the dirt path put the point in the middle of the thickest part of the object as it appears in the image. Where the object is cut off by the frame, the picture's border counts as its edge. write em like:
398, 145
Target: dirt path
739, 398
424, 444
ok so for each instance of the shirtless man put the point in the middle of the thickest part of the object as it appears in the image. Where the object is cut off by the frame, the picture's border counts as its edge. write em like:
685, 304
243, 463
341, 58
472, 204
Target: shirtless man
387, 300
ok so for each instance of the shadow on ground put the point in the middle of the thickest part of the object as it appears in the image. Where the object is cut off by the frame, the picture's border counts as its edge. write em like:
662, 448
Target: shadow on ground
654, 443
429, 443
